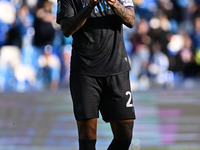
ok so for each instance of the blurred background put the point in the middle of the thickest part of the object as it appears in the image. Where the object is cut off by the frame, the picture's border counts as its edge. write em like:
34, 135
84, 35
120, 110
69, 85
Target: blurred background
164, 52
163, 47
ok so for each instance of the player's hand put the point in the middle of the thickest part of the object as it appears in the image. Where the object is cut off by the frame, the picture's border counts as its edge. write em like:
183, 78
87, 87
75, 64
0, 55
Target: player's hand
112, 3
93, 3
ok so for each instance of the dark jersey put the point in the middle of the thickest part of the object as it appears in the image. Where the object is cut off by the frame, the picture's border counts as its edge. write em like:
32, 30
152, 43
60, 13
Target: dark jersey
98, 46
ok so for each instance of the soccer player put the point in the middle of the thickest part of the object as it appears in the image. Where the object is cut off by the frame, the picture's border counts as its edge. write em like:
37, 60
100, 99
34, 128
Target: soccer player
99, 79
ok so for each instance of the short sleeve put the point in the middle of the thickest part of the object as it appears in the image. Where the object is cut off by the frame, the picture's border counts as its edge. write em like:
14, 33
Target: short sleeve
64, 10
127, 3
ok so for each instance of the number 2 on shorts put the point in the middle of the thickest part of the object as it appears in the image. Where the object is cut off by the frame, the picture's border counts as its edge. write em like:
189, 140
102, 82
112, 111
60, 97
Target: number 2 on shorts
128, 104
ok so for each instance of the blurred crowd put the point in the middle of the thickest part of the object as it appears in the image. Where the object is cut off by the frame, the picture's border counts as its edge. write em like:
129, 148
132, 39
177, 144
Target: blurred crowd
163, 47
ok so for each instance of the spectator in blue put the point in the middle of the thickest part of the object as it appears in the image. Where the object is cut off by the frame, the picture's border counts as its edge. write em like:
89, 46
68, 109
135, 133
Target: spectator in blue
159, 64
49, 68
25, 20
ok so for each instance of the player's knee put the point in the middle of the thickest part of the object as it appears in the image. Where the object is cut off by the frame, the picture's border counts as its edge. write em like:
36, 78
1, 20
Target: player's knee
125, 141
122, 135
123, 131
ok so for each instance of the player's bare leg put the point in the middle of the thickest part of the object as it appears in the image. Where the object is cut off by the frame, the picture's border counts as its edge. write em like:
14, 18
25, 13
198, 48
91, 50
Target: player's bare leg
87, 134
122, 131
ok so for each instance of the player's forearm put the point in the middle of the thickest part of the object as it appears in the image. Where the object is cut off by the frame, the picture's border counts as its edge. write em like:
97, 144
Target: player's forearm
127, 14
71, 25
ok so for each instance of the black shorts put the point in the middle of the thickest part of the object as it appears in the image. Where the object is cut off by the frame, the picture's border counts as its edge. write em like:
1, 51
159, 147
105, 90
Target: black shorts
110, 95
